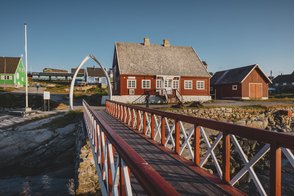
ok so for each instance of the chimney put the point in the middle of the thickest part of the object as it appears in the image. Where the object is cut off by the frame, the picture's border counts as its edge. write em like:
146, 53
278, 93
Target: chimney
146, 41
166, 43
205, 64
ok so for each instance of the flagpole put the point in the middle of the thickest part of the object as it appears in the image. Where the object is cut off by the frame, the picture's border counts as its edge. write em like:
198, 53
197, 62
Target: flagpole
27, 109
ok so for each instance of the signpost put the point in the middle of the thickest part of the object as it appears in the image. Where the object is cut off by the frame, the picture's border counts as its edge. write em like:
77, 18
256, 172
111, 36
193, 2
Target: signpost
46, 96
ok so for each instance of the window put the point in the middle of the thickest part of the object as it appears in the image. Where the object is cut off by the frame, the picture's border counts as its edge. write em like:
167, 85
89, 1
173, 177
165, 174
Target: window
276, 84
145, 84
175, 84
200, 85
158, 84
131, 83
6, 77
22, 79
211, 88
17, 75
284, 83
234, 87
167, 83
188, 84
115, 86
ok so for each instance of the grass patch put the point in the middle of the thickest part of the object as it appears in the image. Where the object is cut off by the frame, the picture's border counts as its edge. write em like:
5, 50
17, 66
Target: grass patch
72, 116
6, 90
255, 107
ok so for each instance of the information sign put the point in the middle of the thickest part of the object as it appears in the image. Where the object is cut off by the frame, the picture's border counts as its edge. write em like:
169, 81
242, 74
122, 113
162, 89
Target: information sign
46, 95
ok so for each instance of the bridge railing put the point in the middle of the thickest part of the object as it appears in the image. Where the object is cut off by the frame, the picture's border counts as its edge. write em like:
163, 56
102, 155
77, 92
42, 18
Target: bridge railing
145, 121
114, 171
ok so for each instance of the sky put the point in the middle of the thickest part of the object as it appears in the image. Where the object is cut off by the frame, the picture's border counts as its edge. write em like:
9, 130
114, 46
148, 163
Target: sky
226, 34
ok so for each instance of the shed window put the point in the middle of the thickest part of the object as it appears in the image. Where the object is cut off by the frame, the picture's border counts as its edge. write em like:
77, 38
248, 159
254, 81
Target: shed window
235, 87
131, 83
200, 85
188, 84
145, 84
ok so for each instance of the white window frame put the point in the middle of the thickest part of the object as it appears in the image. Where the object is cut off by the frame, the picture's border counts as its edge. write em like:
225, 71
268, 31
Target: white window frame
190, 84
158, 84
145, 84
175, 84
202, 87
234, 87
131, 84
6, 77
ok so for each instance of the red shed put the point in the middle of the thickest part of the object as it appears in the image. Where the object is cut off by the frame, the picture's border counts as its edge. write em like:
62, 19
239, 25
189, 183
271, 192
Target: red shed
248, 82
162, 72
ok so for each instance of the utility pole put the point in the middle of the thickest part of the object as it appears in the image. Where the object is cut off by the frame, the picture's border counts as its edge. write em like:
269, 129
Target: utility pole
27, 109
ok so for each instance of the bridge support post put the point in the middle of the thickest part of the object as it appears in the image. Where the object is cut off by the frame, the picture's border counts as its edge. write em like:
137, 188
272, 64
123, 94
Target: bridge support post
275, 169
197, 144
226, 157
177, 132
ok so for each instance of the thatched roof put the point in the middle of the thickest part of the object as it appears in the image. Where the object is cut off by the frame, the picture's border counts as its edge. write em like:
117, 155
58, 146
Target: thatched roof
140, 59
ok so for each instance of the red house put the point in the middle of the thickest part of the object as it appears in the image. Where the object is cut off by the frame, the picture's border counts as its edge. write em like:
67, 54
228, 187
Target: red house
162, 72
247, 82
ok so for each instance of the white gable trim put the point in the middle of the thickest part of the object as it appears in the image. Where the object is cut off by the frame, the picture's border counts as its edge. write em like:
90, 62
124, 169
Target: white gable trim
251, 72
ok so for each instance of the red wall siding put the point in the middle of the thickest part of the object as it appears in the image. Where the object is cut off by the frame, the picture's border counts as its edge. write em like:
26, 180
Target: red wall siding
256, 76
140, 91
225, 91
194, 90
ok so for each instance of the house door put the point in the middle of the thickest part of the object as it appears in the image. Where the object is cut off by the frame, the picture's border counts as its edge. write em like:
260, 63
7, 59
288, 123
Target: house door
255, 91
168, 86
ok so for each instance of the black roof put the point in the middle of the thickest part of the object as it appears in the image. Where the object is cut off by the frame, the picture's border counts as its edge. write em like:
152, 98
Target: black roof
284, 78
233, 76
94, 72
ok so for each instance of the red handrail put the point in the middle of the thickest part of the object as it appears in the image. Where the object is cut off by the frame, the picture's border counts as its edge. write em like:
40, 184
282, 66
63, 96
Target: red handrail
275, 139
148, 178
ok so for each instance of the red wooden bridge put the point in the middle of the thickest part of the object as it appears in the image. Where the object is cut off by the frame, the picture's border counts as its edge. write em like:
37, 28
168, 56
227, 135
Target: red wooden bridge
130, 147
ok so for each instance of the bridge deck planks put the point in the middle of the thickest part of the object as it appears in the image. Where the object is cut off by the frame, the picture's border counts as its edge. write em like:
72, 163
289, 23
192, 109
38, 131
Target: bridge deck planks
184, 180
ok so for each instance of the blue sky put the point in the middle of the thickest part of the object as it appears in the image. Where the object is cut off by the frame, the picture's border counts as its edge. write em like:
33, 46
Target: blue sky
226, 34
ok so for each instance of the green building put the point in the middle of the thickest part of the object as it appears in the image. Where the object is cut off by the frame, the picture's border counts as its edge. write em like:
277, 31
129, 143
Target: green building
12, 72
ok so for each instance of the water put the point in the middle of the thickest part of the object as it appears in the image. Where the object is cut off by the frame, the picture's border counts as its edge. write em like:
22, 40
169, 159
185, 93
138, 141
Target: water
54, 181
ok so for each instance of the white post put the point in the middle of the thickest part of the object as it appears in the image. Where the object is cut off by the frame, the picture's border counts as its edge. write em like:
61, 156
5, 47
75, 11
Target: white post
27, 109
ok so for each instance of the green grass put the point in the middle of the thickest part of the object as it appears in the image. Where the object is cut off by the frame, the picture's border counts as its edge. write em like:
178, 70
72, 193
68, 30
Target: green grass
255, 107
6, 90
72, 116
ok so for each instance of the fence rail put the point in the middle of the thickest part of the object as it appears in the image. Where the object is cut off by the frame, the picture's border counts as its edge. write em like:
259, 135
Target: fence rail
113, 172
145, 120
